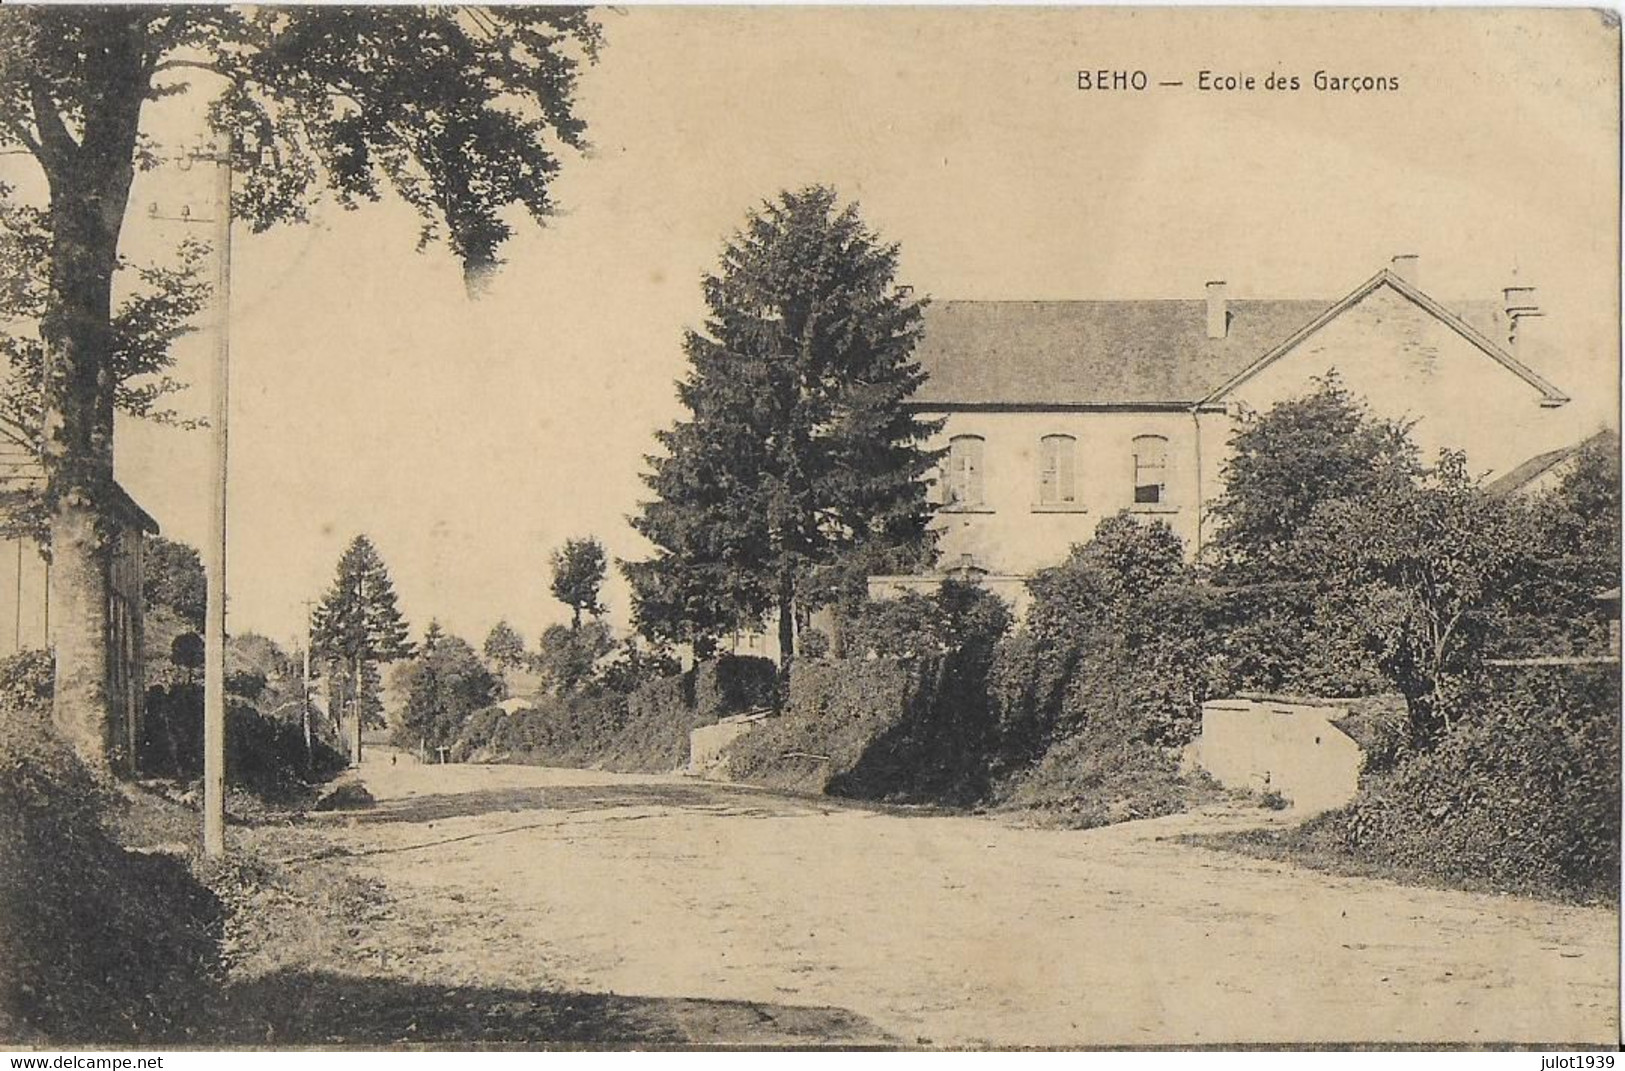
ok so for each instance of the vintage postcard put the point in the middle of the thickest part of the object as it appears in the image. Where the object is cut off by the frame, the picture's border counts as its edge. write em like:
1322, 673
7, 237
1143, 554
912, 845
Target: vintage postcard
778, 527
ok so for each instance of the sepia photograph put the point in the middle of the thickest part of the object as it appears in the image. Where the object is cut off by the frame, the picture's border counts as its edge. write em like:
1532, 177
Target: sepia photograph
945, 528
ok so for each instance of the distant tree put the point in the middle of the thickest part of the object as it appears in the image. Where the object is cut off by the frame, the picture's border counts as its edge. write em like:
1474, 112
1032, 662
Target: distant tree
172, 576
1418, 569
568, 657
1321, 447
504, 646
460, 111
634, 666
446, 683
186, 653
798, 446
578, 574
356, 626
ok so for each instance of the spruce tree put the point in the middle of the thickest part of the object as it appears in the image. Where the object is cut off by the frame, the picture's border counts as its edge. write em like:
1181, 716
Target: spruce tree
356, 627
799, 449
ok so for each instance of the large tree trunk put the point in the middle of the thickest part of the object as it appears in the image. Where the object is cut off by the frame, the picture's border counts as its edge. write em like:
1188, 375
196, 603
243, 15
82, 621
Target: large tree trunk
89, 177
787, 631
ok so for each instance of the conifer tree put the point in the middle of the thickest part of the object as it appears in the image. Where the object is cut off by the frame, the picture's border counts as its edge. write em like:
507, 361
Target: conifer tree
798, 449
358, 626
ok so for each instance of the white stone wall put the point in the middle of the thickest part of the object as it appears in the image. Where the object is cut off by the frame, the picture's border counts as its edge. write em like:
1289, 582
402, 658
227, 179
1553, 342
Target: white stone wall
1292, 749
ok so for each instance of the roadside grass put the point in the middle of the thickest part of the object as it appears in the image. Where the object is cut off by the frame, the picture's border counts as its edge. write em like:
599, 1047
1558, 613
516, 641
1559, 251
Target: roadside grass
1319, 844
1084, 782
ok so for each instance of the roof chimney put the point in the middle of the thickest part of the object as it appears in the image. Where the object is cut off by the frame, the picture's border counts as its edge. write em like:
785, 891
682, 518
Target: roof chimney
1218, 309
1523, 315
1406, 265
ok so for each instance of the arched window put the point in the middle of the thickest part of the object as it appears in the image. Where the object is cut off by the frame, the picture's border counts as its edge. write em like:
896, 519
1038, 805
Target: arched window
1150, 469
965, 470
1055, 470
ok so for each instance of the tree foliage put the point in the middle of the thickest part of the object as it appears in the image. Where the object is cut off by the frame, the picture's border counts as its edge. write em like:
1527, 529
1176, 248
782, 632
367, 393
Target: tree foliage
172, 576
568, 657
1323, 446
504, 647
461, 112
1120, 630
445, 683
797, 447
1418, 568
578, 574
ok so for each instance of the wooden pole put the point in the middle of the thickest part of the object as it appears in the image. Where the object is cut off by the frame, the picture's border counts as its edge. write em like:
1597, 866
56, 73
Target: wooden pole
214, 665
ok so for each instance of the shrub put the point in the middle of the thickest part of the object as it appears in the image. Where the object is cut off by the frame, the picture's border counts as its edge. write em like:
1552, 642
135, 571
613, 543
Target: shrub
813, 643
1523, 793
1099, 777
826, 740
102, 946
27, 683
264, 755
909, 719
734, 683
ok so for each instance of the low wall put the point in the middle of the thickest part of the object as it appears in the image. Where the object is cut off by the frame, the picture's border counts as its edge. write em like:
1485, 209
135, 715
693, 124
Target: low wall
1290, 748
707, 745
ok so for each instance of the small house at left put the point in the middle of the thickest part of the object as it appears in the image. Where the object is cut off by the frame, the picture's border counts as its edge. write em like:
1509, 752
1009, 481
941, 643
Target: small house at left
25, 584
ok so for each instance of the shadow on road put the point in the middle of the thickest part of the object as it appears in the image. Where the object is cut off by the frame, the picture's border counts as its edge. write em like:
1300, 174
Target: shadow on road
711, 799
319, 1008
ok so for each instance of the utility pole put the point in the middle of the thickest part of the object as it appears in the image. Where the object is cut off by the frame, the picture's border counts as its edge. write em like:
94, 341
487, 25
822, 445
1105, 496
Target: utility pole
355, 693
304, 710
214, 627
214, 665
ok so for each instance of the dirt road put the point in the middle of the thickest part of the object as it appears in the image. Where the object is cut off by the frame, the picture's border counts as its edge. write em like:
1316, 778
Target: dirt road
870, 926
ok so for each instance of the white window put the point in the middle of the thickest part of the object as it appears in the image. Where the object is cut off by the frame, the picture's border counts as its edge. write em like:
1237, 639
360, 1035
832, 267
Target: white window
965, 470
1055, 470
1150, 470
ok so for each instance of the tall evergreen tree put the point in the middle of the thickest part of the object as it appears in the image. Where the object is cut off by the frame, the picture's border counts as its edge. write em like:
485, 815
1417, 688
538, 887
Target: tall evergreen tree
358, 626
799, 448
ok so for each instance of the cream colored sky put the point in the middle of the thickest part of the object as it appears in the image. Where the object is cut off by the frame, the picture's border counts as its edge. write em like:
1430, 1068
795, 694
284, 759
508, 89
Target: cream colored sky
469, 439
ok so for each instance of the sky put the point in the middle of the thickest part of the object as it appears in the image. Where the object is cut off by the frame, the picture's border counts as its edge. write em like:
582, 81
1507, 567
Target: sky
469, 438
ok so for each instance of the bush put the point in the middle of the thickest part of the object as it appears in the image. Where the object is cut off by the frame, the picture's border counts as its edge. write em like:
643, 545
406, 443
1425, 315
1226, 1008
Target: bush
905, 716
732, 684
1523, 794
1099, 777
27, 683
836, 733
813, 643
102, 946
265, 756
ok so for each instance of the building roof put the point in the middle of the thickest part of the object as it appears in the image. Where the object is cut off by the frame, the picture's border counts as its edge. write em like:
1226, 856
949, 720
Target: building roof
23, 474
1140, 353
1516, 479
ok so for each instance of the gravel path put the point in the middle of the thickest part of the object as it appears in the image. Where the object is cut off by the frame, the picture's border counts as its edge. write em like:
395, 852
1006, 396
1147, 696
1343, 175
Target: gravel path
883, 926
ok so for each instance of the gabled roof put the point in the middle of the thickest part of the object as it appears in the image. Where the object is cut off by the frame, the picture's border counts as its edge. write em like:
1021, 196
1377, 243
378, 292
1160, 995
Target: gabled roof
1101, 353
1550, 394
1142, 353
1516, 479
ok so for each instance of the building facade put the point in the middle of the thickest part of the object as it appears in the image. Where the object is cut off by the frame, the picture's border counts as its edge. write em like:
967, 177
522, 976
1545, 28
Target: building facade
1056, 414
25, 586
